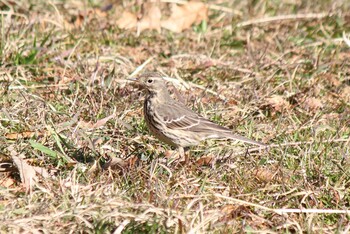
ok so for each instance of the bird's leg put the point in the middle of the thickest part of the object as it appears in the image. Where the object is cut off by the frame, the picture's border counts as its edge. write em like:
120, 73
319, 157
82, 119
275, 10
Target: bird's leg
183, 154
182, 157
176, 156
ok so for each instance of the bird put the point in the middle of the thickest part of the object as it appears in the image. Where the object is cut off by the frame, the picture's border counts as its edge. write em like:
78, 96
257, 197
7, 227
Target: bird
174, 123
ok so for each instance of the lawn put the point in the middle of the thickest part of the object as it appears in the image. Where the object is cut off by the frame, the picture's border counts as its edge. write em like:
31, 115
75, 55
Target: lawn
76, 155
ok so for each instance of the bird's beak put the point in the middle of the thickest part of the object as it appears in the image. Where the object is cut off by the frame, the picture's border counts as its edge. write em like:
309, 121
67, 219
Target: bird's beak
133, 79
136, 81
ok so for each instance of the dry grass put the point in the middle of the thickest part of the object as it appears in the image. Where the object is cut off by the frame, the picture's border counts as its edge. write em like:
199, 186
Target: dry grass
64, 66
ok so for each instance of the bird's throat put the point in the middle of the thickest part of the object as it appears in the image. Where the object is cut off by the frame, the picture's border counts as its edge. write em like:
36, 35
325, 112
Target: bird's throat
158, 96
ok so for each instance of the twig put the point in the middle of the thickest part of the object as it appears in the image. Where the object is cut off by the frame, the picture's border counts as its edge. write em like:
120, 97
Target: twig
235, 200
268, 147
36, 86
313, 211
139, 68
283, 17
210, 6
283, 211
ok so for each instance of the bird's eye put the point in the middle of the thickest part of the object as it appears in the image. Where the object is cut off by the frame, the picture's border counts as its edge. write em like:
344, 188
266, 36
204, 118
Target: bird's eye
149, 81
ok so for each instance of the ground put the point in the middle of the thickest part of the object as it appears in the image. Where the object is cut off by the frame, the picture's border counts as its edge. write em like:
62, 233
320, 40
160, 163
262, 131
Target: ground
76, 155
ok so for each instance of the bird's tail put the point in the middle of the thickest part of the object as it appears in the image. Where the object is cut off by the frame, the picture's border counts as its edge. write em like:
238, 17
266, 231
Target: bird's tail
229, 135
244, 139
214, 130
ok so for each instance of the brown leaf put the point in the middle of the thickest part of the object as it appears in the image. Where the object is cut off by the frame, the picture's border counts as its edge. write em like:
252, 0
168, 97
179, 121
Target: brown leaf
22, 135
127, 20
132, 161
264, 175
115, 163
333, 80
42, 171
99, 123
312, 104
26, 171
277, 102
103, 121
151, 18
169, 154
345, 93
79, 20
84, 17
67, 80
7, 182
336, 195
233, 211
85, 125
182, 17
205, 160
227, 209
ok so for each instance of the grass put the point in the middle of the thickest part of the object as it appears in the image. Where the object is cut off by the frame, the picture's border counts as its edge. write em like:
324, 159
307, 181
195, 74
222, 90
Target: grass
285, 82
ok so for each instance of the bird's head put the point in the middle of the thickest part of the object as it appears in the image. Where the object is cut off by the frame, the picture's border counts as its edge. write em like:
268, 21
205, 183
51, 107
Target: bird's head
153, 82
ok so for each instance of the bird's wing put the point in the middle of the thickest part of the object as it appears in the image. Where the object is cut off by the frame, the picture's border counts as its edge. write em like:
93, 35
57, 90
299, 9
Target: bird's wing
178, 117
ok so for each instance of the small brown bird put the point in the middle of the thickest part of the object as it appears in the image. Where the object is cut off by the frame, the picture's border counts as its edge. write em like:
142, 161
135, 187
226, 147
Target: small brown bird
174, 123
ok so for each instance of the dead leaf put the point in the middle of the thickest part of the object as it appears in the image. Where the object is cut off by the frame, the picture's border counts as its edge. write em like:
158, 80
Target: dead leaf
330, 116
84, 17
169, 154
233, 211
264, 175
132, 161
79, 20
7, 182
205, 160
151, 19
312, 104
227, 209
42, 171
99, 123
345, 93
277, 102
182, 17
23, 135
333, 80
67, 80
127, 20
27, 173
103, 121
336, 196
115, 163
